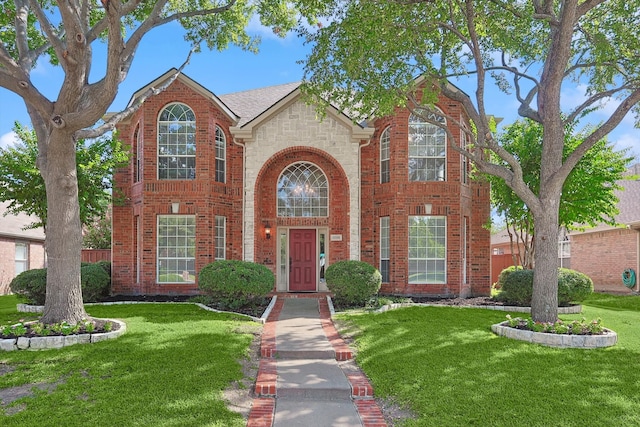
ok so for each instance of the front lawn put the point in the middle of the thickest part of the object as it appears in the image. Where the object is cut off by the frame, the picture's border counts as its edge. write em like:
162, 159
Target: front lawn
169, 369
447, 367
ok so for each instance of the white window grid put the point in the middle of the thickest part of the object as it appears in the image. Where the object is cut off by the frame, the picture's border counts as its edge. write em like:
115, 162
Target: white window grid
176, 246
427, 249
303, 191
177, 142
427, 148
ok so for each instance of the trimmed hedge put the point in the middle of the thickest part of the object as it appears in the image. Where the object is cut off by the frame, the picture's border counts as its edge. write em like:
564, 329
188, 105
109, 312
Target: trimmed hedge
516, 286
352, 283
235, 283
31, 285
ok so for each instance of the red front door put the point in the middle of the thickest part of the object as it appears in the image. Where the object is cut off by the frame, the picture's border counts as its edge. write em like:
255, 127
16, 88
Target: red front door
302, 261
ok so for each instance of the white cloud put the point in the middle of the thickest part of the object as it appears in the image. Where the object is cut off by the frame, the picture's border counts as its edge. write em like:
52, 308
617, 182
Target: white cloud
8, 139
630, 141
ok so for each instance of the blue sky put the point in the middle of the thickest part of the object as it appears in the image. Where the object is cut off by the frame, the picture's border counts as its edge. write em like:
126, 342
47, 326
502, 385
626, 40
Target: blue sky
236, 70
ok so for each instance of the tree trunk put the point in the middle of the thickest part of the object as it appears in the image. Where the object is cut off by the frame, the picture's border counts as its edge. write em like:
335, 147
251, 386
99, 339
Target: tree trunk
64, 231
544, 302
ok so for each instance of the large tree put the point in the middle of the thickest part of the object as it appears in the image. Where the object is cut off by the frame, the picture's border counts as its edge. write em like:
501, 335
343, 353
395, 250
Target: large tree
588, 195
22, 185
370, 55
66, 33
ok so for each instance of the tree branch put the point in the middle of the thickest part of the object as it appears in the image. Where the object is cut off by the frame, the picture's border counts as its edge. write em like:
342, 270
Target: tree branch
112, 121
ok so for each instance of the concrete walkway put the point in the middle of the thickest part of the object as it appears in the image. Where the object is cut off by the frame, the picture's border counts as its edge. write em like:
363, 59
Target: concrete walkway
307, 376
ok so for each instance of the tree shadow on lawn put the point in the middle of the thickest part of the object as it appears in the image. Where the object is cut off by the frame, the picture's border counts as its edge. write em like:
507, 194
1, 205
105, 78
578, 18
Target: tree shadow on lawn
150, 376
447, 366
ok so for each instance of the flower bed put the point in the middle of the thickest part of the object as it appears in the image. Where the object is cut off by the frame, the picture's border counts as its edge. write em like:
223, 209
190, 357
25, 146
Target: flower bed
606, 338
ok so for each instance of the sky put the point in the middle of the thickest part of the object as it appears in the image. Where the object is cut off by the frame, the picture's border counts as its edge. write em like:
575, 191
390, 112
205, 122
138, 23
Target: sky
235, 70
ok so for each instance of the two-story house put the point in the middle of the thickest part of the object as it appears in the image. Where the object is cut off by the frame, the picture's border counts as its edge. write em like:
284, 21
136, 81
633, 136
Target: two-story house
257, 176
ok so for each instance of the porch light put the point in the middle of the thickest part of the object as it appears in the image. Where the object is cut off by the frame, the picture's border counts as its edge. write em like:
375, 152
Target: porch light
267, 231
175, 207
427, 208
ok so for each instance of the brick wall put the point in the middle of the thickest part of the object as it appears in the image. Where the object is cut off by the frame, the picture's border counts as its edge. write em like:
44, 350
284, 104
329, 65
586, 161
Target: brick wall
201, 197
293, 134
399, 198
604, 255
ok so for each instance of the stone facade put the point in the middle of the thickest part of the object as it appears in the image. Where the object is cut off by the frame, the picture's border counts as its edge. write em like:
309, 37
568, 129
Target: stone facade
267, 131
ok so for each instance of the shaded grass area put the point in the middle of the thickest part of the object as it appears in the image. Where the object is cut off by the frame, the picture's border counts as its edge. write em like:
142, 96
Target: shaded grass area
446, 366
169, 369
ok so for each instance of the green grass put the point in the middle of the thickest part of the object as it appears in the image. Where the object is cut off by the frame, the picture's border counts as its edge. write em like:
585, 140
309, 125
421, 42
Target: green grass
447, 367
169, 369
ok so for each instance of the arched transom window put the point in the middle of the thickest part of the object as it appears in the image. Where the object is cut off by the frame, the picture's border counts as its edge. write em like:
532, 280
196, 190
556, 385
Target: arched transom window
303, 191
177, 143
427, 148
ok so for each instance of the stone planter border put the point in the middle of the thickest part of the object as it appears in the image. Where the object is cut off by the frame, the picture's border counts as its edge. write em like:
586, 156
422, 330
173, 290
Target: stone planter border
608, 339
44, 343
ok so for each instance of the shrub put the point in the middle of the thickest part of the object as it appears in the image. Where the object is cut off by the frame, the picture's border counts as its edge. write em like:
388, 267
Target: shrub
31, 285
95, 281
517, 286
573, 286
352, 283
236, 283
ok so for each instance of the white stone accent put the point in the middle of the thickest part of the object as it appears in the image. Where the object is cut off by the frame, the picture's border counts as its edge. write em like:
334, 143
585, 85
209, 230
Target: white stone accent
297, 125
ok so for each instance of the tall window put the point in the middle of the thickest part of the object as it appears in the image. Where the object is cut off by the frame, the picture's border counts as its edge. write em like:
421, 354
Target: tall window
385, 140
303, 191
427, 249
384, 248
464, 160
221, 229
137, 155
22, 257
427, 148
176, 248
177, 143
221, 155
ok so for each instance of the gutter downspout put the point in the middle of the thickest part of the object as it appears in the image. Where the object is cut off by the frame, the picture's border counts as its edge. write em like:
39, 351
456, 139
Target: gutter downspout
361, 146
240, 143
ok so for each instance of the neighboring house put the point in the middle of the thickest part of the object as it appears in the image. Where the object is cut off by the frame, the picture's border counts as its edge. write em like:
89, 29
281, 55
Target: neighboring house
20, 249
256, 176
603, 252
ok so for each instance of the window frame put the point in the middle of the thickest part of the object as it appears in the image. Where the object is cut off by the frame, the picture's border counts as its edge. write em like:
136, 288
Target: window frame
220, 155
176, 238
427, 275
385, 248
188, 170
385, 156
321, 210
24, 262
430, 131
220, 237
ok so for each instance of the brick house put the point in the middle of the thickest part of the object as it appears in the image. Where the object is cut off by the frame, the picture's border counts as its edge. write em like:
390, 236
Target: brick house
20, 249
602, 252
255, 175
605, 252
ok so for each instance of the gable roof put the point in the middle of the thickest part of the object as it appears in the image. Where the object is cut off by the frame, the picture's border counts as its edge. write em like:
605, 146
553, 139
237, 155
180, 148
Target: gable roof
251, 103
197, 87
11, 226
260, 105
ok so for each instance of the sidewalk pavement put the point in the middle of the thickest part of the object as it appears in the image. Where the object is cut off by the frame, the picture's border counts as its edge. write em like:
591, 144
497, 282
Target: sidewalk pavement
307, 376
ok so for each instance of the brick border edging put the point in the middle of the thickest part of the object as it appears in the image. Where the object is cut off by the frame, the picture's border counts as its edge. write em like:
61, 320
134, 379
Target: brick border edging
361, 389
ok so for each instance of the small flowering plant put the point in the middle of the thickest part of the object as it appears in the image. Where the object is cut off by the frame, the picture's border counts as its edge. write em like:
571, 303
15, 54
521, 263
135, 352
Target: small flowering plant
576, 327
36, 329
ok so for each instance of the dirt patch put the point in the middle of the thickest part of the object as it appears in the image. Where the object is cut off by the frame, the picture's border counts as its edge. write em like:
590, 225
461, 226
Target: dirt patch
239, 395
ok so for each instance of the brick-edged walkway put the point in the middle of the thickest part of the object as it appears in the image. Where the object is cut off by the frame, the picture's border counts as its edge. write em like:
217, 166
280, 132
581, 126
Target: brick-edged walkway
263, 410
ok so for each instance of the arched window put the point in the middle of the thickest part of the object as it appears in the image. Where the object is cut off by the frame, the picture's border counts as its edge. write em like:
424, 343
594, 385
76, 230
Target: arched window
303, 191
177, 143
427, 148
221, 155
385, 140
